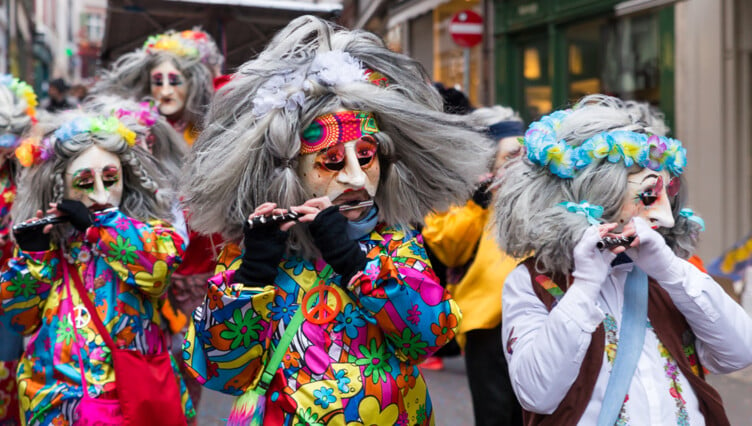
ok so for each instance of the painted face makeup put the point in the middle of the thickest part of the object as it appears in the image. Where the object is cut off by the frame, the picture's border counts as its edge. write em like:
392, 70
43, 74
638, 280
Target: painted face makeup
95, 178
649, 195
170, 89
347, 173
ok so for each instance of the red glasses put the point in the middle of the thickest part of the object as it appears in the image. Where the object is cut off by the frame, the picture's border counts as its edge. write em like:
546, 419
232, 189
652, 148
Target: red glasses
651, 196
333, 158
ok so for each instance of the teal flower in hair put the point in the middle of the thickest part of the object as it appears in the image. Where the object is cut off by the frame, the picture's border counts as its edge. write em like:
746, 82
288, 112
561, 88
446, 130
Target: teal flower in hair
691, 216
591, 212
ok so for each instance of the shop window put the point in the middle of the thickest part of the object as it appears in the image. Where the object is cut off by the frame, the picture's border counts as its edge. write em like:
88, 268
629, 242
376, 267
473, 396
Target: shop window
618, 57
536, 85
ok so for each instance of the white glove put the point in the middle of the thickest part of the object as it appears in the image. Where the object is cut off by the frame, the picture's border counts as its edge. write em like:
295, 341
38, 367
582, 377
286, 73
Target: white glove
591, 265
653, 255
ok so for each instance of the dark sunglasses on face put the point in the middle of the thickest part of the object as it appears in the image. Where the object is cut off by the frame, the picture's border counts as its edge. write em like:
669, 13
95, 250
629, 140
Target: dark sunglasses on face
651, 196
333, 158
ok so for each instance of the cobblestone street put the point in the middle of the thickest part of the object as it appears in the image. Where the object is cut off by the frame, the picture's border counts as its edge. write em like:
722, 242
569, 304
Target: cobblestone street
451, 397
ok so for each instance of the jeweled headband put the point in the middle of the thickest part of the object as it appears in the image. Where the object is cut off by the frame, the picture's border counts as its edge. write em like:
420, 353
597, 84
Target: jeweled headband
650, 151
335, 128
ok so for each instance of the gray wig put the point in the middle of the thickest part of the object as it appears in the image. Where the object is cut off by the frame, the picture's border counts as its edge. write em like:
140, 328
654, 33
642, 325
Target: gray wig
130, 76
429, 159
146, 193
530, 221
491, 115
14, 118
168, 148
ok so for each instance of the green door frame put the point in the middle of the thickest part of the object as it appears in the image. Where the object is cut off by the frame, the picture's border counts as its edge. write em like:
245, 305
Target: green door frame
508, 64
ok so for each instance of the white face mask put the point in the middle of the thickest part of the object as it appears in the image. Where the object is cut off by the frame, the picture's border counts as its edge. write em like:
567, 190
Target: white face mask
648, 197
347, 173
170, 89
95, 178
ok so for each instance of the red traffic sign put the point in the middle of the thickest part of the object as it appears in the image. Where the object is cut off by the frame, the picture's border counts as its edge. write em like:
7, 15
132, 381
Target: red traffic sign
466, 28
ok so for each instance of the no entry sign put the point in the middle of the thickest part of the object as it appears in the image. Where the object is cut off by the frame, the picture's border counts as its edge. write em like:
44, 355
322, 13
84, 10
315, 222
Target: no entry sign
466, 28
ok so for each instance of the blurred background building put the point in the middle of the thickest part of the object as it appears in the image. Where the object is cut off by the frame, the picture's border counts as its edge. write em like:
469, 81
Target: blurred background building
690, 58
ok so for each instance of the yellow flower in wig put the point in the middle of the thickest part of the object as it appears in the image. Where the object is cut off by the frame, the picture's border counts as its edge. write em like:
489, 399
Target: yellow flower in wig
127, 134
630, 150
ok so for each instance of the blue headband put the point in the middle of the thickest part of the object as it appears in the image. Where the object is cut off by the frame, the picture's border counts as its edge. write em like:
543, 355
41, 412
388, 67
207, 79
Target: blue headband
503, 129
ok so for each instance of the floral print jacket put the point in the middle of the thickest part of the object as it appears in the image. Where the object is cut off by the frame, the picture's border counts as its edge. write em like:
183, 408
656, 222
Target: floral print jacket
361, 367
125, 266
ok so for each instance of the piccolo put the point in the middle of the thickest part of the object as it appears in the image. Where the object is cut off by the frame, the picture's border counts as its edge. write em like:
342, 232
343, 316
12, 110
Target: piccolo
607, 243
278, 219
49, 220
39, 223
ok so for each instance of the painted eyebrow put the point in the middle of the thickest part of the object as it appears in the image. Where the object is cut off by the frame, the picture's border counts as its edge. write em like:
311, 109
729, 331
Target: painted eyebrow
652, 175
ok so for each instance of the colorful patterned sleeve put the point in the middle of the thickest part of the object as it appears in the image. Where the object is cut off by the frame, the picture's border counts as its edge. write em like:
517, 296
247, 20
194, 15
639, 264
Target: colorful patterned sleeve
403, 294
227, 339
143, 254
24, 287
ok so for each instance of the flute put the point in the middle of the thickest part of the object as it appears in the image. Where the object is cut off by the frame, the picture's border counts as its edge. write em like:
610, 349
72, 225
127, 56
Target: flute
278, 219
39, 223
49, 220
607, 243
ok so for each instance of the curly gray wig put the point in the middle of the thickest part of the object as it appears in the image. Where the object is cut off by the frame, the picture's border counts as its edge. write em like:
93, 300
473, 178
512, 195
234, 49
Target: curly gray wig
146, 193
14, 116
528, 217
244, 157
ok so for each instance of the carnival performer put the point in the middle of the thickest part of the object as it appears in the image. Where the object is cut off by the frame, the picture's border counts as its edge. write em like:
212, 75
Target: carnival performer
177, 70
607, 323
115, 203
18, 104
462, 239
329, 126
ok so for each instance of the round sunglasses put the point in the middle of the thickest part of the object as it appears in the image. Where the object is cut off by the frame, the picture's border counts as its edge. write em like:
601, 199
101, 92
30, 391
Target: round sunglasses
333, 158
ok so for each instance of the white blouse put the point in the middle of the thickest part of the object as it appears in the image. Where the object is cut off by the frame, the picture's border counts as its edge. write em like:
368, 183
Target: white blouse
545, 349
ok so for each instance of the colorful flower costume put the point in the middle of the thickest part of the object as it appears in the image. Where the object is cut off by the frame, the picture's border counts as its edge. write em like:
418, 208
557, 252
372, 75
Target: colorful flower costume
11, 341
126, 264
360, 368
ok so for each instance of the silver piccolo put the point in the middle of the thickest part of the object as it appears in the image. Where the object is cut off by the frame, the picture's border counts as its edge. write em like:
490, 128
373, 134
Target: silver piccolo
278, 219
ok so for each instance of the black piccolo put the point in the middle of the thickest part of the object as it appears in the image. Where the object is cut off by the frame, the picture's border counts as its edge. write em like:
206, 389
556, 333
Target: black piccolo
275, 219
39, 223
50, 220
607, 243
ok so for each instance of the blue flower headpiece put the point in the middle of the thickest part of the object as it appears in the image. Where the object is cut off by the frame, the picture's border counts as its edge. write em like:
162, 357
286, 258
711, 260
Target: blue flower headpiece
109, 124
651, 151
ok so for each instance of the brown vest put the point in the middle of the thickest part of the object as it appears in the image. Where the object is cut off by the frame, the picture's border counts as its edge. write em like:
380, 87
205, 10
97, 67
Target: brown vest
670, 327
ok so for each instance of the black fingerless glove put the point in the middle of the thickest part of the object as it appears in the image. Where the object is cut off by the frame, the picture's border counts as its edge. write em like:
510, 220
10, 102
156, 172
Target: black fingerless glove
329, 231
32, 240
482, 196
78, 214
264, 247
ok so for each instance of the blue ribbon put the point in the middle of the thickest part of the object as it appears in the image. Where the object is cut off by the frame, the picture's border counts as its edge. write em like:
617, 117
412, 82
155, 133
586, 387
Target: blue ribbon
590, 211
690, 215
634, 319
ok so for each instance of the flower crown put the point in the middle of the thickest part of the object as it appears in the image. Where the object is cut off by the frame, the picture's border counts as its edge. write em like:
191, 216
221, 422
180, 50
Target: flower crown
22, 90
332, 68
146, 115
111, 125
188, 44
650, 151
